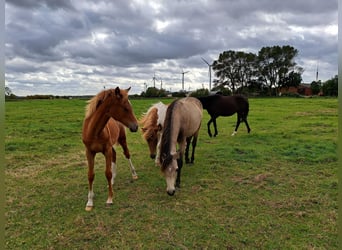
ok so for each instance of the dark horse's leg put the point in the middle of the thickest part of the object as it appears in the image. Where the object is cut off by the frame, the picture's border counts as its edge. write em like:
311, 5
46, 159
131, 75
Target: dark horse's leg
245, 120
240, 118
215, 127
238, 121
208, 124
188, 141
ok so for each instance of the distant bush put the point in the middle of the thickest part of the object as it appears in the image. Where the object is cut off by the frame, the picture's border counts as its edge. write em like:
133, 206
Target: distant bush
179, 94
200, 92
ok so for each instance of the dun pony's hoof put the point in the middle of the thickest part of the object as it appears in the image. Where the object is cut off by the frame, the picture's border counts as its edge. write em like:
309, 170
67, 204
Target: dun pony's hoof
88, 208
135, 177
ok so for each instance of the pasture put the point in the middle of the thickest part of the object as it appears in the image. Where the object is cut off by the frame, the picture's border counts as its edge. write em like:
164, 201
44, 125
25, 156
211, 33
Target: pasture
275, 188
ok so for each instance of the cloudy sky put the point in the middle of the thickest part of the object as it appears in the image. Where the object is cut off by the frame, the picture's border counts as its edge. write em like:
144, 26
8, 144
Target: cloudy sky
72, 47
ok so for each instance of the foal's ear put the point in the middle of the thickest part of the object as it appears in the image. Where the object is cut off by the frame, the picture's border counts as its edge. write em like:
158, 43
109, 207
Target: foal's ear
117, 92
128, 89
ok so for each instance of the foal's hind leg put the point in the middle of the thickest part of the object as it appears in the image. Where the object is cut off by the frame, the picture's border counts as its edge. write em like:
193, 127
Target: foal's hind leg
109, 174
123, 143
113, 165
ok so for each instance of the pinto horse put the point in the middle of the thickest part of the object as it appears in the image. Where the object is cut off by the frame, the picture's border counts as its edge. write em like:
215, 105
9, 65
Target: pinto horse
182, 122
152, 124
219, 105
102, 128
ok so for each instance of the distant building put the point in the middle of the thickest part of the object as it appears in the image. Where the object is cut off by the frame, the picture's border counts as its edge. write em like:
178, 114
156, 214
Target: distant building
302, 89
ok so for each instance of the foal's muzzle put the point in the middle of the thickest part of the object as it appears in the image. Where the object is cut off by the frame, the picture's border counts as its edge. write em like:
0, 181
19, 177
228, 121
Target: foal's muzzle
133, 127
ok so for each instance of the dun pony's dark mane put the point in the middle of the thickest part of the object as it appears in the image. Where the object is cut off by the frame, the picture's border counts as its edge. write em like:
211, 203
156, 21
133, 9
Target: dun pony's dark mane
165, 147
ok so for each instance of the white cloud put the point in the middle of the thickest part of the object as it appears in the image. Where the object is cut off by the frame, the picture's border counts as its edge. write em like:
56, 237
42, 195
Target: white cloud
77, 47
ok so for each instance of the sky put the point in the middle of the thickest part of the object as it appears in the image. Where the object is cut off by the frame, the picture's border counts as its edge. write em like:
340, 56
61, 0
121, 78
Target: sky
72, 47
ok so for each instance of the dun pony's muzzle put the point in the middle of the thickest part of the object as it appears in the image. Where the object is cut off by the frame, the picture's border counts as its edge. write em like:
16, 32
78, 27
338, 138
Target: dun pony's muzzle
171, 192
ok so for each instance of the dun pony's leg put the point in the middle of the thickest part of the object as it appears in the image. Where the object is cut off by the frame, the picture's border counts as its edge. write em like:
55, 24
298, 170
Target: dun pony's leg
188, 141
123, 143
91, 175
208, 124
180, 165
109, 175
180, 162
194, 143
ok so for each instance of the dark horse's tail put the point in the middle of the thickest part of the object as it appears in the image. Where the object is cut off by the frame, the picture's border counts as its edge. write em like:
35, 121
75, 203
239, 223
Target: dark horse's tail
243, 105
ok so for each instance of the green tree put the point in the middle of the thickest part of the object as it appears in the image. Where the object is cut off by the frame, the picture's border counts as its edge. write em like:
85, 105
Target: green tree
293, 79
316, 87
330, 87
234, 69
275, 65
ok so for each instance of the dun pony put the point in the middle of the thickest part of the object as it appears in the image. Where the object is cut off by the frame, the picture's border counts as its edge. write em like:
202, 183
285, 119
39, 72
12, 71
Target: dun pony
182, 122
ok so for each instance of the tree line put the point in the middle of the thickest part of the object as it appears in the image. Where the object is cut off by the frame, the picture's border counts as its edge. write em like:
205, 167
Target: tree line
269, 70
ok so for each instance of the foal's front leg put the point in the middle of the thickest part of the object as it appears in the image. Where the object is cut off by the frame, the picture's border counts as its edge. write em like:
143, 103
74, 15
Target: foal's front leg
91, 175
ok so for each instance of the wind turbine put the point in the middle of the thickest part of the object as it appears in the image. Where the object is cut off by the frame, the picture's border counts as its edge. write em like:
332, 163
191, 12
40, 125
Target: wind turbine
183, 78
209, 65
154, 78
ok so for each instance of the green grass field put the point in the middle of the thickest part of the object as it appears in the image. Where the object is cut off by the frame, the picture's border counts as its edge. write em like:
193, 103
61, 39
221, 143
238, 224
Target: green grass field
275, 188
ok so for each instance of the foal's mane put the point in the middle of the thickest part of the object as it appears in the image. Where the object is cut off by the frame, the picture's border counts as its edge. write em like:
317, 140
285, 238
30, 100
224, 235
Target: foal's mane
165, 145
149, 119
96, 101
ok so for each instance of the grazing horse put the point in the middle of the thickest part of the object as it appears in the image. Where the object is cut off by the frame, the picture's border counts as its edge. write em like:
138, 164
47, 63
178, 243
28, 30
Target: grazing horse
219, 105
102, 128
182, 121
152, 124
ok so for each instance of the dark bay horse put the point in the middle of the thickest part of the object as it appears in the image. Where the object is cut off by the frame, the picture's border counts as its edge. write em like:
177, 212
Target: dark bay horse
102, 128
182, 122
219, 105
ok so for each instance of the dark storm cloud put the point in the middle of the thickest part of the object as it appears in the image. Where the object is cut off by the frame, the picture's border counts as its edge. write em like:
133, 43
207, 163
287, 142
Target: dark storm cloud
93, 42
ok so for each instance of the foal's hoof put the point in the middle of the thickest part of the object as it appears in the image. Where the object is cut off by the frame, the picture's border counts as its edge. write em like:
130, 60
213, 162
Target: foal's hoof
135, 177
88, 208
109, 205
